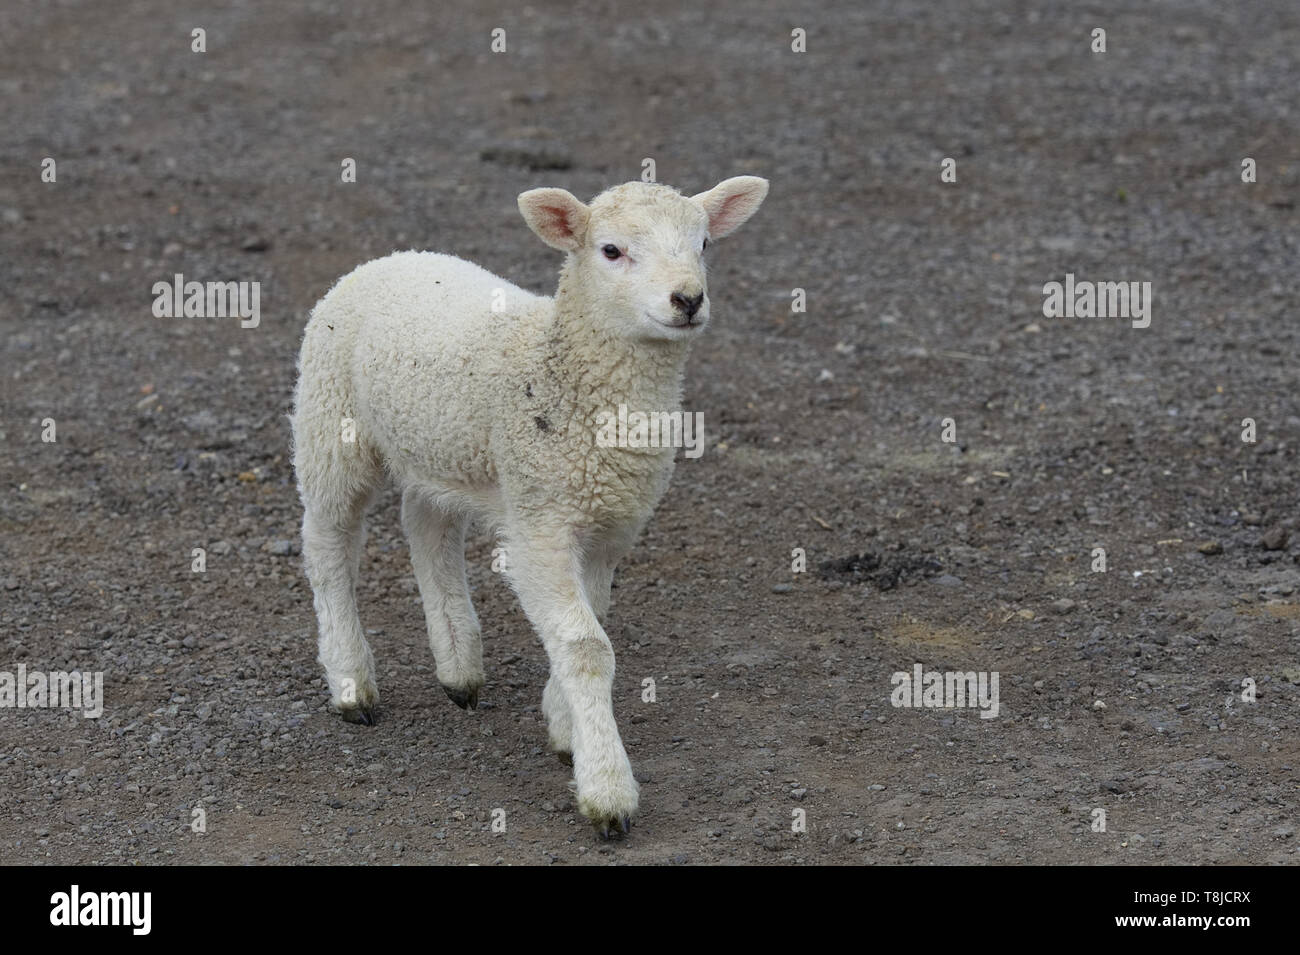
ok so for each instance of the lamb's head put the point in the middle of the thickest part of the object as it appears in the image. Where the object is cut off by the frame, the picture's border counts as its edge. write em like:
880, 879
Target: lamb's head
637, 250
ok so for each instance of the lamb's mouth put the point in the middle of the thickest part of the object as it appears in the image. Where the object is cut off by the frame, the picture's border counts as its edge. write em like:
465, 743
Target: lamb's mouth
695, 321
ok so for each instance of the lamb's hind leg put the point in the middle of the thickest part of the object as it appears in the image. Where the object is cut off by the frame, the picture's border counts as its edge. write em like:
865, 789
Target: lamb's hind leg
331, 548
437, 539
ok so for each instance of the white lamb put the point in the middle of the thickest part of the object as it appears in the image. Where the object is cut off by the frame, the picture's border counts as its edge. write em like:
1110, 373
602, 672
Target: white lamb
481, 400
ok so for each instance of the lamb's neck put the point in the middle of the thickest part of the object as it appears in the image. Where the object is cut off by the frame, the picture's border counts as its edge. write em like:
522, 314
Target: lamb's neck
645, 375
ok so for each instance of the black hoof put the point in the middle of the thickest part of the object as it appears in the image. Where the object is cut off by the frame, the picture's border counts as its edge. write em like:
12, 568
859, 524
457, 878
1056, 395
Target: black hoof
364, 715
608, 829
565, 758
465, 699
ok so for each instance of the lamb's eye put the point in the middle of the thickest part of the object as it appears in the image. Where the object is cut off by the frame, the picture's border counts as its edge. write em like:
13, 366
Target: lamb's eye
611, 252
705, 245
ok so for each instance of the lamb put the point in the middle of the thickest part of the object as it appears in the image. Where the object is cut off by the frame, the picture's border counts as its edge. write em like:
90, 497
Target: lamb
481, 400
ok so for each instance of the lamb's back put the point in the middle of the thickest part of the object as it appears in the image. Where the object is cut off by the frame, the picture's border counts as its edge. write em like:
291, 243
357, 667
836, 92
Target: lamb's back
430, 356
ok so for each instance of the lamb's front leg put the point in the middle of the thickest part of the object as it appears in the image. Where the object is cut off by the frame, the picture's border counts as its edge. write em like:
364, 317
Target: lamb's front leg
597, 576
549, 581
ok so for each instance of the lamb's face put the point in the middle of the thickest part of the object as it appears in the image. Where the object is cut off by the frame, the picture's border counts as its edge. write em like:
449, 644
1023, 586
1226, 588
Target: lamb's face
639, 249
644, 254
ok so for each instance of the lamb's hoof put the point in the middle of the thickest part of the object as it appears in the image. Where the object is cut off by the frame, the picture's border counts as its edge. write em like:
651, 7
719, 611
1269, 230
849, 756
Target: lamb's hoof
364, 715
565, 757
465, 699
609, 828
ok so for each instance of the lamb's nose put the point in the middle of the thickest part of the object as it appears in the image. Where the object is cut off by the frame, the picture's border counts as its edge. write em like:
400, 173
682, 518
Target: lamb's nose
687, 306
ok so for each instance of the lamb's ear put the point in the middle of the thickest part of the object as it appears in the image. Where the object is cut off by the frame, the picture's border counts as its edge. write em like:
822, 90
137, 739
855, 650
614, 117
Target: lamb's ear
731, 202
558, 217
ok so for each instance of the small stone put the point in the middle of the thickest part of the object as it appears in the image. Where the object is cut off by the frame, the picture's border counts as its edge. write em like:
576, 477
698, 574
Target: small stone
255, 243
798, 793
1063, 606
282, 549
782, 588
1275, 538
11, 583
948, 580
816, 740
1211, 548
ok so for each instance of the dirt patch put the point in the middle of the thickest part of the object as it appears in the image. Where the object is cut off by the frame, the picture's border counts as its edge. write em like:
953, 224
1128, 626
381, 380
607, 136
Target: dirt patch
884, 573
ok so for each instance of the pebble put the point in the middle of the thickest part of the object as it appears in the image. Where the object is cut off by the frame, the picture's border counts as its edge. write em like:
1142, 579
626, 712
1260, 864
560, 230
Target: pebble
1275, 538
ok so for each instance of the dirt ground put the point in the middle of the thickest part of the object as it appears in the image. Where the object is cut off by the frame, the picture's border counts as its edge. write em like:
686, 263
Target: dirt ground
1120, 690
